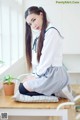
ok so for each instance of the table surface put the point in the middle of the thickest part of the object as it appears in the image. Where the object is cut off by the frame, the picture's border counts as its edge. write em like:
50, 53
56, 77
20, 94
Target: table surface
8, 102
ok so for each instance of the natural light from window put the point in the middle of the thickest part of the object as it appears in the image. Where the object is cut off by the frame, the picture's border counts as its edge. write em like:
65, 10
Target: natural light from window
11, 31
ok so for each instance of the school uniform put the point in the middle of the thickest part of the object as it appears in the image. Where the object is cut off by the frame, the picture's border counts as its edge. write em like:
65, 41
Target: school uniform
51, 76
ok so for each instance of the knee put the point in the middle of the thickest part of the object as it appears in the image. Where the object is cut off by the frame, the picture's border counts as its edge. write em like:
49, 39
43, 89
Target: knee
21, 88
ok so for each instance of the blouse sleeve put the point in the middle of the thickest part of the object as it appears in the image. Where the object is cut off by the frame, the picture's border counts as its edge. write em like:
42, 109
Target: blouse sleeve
48, 51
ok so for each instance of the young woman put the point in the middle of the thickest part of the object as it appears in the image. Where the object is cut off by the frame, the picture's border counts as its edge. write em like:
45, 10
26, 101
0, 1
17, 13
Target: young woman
44, 57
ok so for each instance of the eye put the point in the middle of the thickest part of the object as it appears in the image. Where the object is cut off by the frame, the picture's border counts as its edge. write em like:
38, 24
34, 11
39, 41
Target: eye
33, 20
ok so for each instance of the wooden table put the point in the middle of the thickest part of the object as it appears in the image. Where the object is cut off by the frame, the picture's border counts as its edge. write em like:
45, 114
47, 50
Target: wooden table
13, 108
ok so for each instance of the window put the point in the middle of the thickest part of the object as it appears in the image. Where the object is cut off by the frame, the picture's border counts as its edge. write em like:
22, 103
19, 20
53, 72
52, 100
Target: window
11, 31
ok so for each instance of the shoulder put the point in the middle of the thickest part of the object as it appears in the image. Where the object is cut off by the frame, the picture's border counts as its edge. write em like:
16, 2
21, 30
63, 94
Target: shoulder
52, 35
52, 31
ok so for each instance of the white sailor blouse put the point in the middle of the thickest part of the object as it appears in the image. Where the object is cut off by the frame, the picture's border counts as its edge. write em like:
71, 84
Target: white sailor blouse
51, 54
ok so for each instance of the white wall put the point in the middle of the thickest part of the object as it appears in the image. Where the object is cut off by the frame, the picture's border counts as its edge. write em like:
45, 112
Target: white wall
16, 69
66, 17
71, 28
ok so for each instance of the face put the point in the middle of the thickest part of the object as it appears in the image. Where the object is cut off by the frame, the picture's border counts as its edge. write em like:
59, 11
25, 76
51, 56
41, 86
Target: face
35, 21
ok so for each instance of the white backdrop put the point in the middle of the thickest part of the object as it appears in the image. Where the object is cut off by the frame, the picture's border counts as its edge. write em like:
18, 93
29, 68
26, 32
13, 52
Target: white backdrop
66, 17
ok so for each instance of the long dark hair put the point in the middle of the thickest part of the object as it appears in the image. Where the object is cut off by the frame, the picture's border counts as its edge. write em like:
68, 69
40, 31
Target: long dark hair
28, 34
